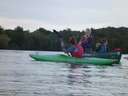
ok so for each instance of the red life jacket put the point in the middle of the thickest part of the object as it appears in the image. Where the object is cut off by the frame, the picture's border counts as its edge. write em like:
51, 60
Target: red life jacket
78, 52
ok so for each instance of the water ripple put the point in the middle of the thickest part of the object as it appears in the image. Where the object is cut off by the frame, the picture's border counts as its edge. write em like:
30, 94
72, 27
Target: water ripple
22, 76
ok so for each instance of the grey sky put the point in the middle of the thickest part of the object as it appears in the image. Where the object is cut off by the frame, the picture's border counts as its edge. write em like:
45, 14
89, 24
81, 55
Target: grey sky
61, 14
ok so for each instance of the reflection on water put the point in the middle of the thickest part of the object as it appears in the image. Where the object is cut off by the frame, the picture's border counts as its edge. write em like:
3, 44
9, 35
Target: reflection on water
22, 76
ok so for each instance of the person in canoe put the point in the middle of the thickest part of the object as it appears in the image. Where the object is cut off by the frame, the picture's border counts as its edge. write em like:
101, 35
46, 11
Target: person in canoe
102, 46
87, 41
76, 50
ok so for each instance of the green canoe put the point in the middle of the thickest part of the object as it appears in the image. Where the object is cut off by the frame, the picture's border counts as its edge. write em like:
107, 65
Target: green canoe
73, 60
109, 55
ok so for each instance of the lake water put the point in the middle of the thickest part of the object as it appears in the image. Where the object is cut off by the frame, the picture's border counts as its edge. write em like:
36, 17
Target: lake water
22, 76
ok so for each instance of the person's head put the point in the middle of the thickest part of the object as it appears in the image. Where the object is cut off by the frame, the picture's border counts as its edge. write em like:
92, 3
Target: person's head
84, 37
72, 40
104, 41
101, 41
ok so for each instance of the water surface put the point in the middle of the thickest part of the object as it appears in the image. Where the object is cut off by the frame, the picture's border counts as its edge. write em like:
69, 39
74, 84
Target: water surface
22, 76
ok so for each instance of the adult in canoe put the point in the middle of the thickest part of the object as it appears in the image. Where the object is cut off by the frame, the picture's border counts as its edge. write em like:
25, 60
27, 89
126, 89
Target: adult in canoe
76, 50
102, 47
87, 41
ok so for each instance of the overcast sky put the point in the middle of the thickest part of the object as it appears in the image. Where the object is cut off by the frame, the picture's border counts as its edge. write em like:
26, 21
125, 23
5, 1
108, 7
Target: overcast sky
62, 14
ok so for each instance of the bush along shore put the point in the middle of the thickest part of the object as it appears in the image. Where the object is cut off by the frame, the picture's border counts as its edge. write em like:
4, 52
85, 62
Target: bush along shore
46, 40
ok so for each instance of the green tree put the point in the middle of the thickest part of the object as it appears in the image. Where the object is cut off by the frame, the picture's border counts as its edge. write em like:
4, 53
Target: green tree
4, 39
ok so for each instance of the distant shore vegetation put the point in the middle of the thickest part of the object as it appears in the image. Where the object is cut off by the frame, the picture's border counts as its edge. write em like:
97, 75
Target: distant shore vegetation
46, 40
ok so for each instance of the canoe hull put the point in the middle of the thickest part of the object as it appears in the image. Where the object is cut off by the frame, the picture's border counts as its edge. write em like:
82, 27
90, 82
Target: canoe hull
73, 60
109, 55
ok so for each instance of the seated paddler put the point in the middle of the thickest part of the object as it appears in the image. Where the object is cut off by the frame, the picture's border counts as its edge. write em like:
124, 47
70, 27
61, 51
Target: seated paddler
75, 49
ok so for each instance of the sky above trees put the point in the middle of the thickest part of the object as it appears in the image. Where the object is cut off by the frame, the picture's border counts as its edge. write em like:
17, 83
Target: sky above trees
61, 14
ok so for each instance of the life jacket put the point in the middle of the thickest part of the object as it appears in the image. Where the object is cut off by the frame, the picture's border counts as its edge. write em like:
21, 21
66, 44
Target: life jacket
78, 52
87, 43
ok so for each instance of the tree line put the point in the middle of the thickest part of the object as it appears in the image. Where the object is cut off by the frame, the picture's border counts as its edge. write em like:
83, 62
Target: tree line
46, 40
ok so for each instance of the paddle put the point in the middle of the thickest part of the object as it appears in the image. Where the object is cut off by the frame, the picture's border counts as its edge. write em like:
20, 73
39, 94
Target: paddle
61, 41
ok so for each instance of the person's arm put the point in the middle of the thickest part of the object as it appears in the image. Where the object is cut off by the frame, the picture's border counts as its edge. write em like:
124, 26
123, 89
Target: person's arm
70, 49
